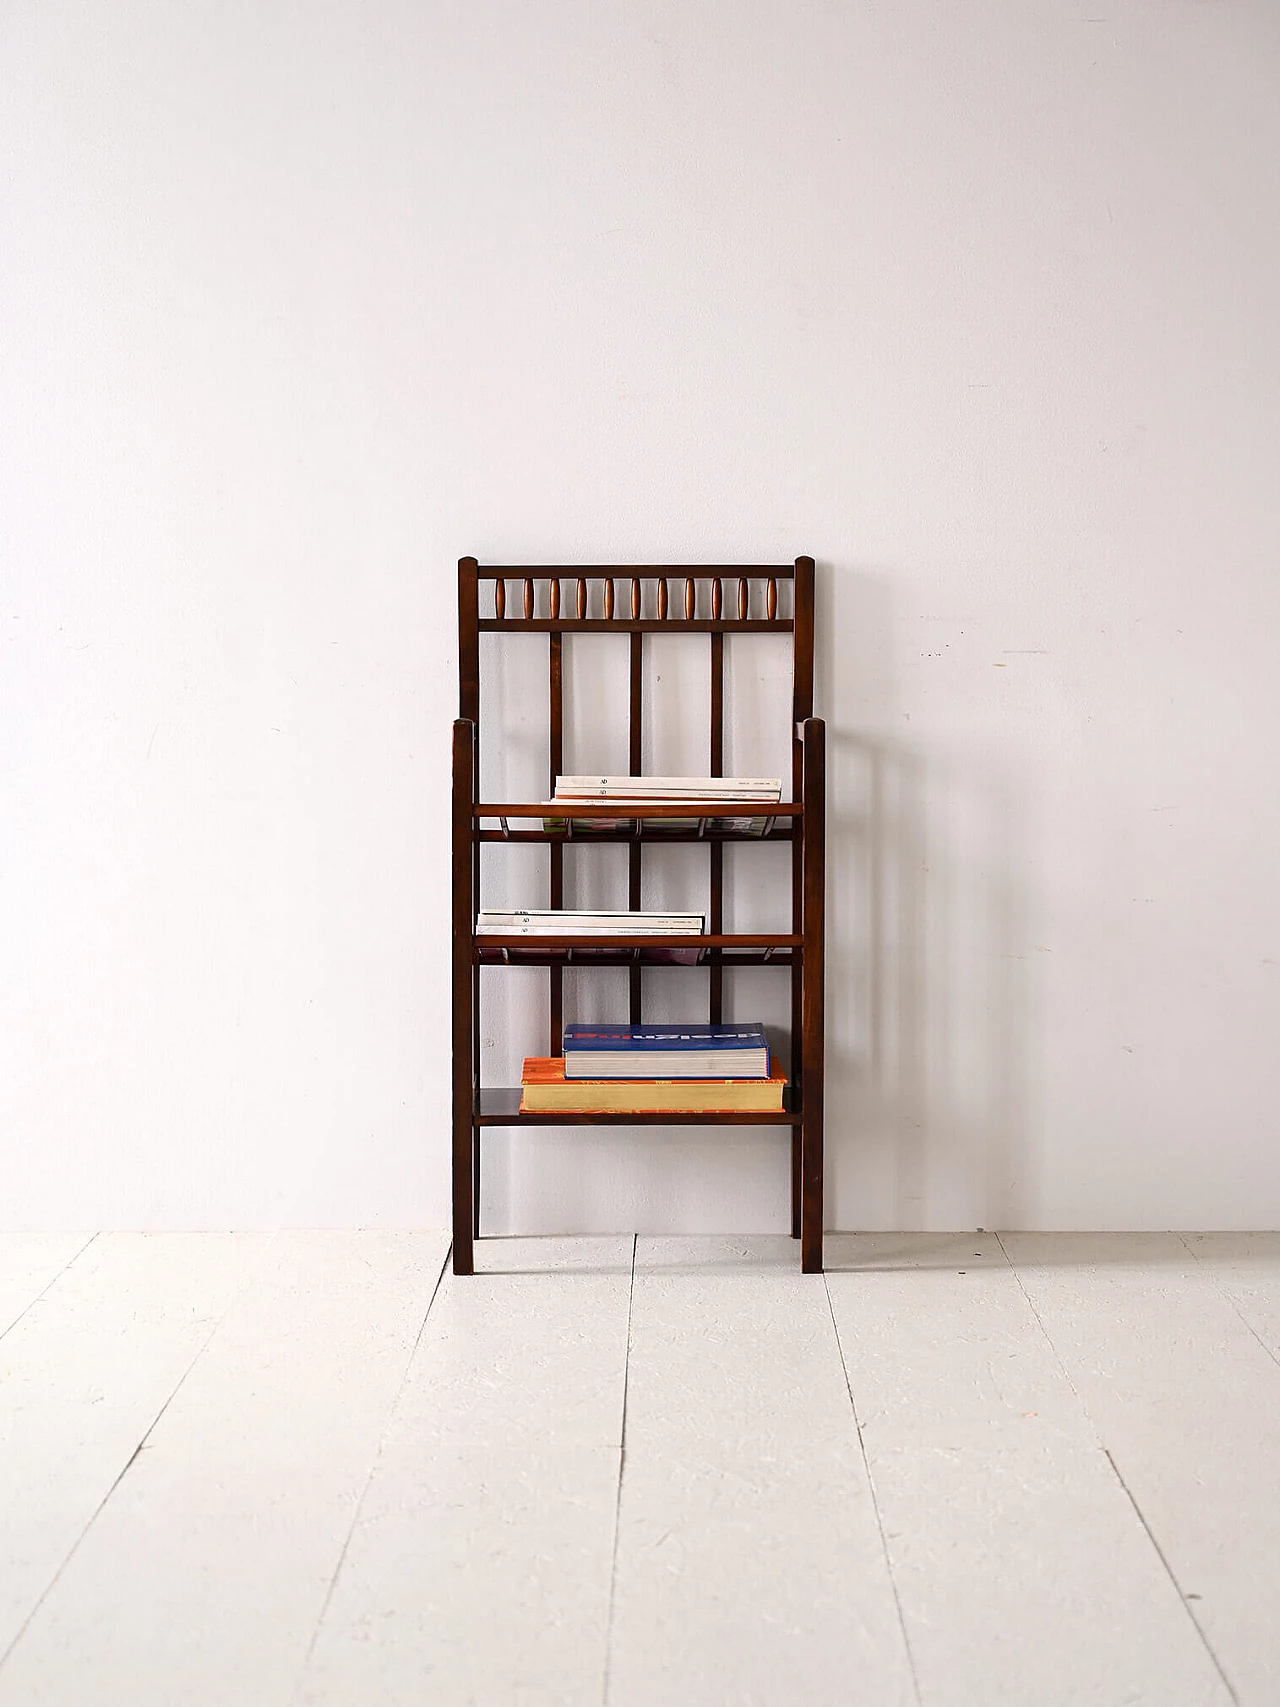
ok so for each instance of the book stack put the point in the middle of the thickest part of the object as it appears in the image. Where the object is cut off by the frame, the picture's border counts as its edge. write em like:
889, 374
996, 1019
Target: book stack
655, 1069
626, 796
530, 923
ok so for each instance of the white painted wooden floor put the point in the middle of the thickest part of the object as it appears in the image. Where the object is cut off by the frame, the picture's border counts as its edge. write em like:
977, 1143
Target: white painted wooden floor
312, 1470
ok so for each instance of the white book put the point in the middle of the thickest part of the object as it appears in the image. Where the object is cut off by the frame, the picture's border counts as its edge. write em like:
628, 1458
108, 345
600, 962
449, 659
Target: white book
564, 923
669, 787
547, 928
558, 915
694, 929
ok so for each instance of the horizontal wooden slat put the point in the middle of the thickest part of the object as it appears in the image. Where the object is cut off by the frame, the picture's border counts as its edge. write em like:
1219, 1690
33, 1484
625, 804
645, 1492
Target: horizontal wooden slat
652, 571
570, 939
658, 809
543, 956
645, 625
667, 838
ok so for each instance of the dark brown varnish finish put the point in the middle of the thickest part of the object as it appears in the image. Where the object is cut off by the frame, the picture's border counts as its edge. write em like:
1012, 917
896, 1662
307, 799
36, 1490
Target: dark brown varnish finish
801, 822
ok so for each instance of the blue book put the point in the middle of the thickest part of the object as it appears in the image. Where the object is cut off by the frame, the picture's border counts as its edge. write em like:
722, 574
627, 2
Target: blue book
665, 1052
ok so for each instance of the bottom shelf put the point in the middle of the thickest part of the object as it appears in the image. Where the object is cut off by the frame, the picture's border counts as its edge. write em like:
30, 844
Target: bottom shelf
500, 1106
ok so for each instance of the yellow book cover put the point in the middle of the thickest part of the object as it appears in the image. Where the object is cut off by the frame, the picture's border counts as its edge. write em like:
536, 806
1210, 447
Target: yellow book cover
547, 1091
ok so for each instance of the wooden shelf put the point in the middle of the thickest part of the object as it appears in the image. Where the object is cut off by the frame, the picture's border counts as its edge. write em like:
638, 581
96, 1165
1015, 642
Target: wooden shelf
745, 950
500, 1106
658, 809
779, 818
667, 838
706, 604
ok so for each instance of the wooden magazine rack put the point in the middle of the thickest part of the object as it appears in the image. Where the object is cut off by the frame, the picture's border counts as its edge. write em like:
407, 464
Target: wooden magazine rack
715, 600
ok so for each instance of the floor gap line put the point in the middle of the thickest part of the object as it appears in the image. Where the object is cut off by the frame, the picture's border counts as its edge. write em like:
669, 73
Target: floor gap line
875, 1501
1048, 1337
97, 1511
364, 1491
1160, 1554
1221, 1289
622, 1464
73, 1258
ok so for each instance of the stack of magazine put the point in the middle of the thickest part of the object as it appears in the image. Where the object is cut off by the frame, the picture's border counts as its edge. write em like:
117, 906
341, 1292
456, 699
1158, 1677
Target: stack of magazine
530, 923
626, 796
655, 1069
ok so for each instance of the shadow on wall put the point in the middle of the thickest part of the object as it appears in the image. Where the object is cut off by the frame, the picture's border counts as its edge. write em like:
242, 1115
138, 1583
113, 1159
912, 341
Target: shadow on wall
930, 974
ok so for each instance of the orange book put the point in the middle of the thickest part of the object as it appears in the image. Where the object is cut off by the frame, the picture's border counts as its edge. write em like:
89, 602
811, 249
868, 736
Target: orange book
547, 1091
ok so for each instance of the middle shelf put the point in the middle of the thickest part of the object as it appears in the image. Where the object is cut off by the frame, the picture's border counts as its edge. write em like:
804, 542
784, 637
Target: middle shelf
749, 949
659, 821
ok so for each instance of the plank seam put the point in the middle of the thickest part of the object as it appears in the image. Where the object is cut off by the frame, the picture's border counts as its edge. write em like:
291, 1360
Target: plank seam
1219, 1287
875, 1502
1048, 1337
622, 1464
364, 1491
1160, 1554
73, 1258
135, 1454
1115, 1468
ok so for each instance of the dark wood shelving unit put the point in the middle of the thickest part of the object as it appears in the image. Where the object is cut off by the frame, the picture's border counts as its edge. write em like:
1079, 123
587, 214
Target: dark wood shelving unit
544, 606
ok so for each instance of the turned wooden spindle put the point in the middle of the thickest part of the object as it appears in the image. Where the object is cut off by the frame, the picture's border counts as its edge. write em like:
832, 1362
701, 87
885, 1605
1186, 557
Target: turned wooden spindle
717, 599
690, 598
744, 598
528, 598
582, 599
771, 599
500, 599
608, 599
554, 585
662, 599
635, 601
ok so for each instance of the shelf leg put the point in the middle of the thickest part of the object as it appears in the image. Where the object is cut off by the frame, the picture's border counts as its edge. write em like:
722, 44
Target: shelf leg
465, 975
475, 1182
796, 1180
814, 852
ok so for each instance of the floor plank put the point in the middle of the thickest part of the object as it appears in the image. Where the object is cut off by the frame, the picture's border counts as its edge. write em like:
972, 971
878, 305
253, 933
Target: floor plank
479, 1567
84, 1373
941, 1346
750, 1566
1187, 1401
30, 1262
529, 1352
203, 1576
1025, 1578
1024, 1573
1246, 1267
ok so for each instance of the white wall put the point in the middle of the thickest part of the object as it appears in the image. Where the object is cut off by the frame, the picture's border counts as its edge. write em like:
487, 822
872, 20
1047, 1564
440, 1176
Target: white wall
977, 304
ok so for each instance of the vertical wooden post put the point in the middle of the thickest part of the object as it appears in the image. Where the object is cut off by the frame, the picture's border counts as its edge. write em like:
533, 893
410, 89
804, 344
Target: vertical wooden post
811, 1161
634, 759
469, 707
556, 850
715, 1001
801, 709
465, 977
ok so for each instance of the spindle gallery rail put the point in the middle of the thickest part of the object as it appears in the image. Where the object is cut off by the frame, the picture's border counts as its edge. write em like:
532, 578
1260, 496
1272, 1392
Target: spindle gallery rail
639, 599
557, 600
